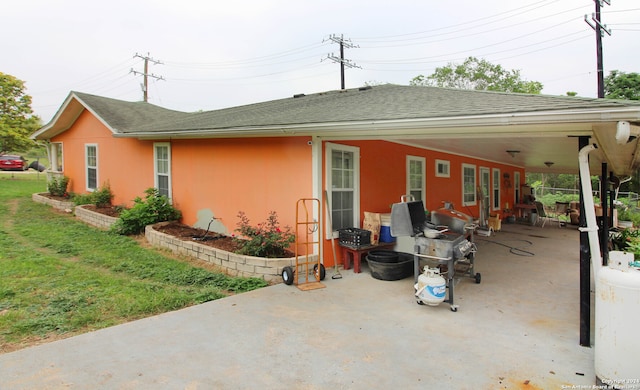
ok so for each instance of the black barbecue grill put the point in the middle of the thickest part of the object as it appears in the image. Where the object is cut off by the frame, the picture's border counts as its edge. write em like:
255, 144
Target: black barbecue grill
452, 249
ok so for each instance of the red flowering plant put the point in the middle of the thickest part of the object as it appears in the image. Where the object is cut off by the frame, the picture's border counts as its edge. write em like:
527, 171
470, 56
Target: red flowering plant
266, 239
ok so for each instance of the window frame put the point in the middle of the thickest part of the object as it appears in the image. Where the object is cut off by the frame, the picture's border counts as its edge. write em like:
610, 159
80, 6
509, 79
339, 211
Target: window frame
423, 180
87, 167
157, 174
329, 149
496, 188
443, 163
475, 183
516, 187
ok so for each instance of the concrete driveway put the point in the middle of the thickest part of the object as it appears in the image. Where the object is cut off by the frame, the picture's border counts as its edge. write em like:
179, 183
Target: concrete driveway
518, 329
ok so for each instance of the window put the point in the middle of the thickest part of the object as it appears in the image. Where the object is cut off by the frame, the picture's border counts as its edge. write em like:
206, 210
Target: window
343, 171
162, 169
442, 168
516, 187
468, 184
91, 166
55, 156
496, 189
416, 177
485, 187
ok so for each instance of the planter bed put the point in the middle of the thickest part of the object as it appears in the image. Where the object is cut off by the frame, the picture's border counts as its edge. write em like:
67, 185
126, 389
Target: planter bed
269, 269
94, 218
63, 205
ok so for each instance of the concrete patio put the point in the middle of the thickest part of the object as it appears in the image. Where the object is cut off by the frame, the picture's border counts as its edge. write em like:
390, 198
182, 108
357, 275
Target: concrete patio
518, 329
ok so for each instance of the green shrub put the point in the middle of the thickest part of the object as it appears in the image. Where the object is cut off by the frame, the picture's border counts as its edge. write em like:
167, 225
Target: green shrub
265, 240
101, 197
152, 209
57, 186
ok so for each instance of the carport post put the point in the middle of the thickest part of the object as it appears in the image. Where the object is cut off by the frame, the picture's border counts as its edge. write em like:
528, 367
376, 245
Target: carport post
604, 234
585, 268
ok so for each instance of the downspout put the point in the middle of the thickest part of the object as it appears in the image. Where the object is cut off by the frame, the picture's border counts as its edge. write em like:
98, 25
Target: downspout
589, 208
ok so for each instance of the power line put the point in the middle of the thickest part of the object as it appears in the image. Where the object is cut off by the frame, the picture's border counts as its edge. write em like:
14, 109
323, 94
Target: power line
146, 74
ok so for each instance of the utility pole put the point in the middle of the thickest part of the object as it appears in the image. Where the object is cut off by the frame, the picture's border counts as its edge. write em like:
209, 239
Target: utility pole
600, 29
146, 74
343, 43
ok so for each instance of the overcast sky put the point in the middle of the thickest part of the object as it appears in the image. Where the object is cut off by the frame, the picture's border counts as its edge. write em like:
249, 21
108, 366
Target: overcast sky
217, 54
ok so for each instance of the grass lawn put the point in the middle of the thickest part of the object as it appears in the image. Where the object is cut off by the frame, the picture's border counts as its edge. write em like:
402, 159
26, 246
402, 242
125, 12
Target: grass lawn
60, 277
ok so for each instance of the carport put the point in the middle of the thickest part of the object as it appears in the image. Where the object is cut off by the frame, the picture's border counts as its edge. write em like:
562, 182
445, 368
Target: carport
539, 133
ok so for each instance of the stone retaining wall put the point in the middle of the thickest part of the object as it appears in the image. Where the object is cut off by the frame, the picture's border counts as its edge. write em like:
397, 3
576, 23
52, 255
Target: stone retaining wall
67, 206
93, 218
234, 264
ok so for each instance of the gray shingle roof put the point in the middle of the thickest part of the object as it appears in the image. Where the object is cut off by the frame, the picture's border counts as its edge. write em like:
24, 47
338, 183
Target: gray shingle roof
378, 103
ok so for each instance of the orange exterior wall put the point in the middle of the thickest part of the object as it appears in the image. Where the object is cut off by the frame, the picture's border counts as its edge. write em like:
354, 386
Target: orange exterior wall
254, 175
222, 175
258, 175
383, 179
126, 164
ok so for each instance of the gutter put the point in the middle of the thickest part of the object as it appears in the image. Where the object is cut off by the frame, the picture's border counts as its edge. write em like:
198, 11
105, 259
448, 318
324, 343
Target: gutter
408, 127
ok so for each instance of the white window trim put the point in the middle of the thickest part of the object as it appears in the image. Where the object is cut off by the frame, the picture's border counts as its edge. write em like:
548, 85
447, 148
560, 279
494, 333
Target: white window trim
87, 166
446, 163
423, 185
516, 187
475, 184
155, 166
329, 148
495, 185
487, 171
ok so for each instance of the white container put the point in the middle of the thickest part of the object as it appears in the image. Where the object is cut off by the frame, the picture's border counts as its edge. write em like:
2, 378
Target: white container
617, 318
431, 288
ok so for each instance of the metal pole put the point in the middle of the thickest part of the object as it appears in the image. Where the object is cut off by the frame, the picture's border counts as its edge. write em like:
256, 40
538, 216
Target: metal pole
585, 268
604, 234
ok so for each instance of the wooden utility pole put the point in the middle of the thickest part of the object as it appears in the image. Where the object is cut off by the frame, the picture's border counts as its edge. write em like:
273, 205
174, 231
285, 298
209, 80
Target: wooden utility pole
146, 75
343, 43
600, 29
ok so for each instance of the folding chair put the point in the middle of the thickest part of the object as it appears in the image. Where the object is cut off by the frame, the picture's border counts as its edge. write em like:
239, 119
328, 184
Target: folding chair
562, 208
542, 216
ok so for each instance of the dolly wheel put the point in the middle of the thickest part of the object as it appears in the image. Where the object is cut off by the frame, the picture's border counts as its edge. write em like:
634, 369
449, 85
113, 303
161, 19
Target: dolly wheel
419, 302
454, 308
287, 275
319, 272
478, 278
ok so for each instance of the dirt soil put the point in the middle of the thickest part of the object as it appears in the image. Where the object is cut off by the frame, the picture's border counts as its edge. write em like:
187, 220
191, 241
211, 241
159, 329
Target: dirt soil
188, 233
112, 211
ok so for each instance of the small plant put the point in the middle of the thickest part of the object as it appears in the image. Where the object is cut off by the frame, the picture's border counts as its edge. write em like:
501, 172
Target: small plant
57, 186
152, 209
266, 239
101, 197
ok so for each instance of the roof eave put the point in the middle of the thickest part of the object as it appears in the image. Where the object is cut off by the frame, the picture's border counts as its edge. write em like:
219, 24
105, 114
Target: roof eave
66, 116
548, 121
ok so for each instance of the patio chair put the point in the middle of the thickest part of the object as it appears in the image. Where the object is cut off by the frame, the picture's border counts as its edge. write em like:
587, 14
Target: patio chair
542, 216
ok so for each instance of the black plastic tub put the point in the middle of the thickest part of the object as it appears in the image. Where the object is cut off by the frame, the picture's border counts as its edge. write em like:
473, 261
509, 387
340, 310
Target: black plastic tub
382, 256
390, 265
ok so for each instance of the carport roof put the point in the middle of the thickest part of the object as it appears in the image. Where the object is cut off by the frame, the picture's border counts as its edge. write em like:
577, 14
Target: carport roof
476, 123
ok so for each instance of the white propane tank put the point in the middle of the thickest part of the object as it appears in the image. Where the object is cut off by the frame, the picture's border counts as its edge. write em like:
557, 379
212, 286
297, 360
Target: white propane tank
616, 322
431, 287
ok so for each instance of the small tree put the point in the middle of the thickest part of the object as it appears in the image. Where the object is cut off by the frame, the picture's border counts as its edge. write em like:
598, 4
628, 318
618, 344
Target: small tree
621, 85
17, 121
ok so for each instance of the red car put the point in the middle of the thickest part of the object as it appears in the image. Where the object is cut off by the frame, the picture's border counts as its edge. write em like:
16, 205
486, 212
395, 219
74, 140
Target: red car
10, 162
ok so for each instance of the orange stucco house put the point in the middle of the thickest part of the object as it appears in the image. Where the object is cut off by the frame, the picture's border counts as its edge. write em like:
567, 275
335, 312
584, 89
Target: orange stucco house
366, 147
